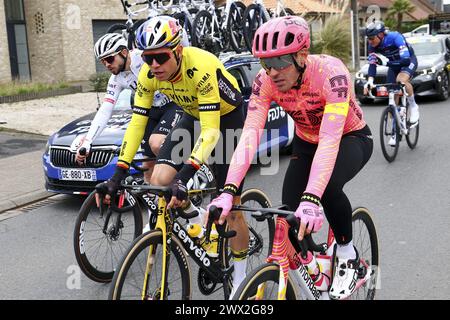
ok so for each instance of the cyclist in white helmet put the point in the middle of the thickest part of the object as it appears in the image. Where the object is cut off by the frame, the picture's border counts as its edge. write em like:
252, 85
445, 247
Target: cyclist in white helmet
111, 49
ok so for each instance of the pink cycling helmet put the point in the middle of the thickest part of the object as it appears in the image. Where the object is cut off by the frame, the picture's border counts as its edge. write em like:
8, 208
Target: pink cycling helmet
280, 36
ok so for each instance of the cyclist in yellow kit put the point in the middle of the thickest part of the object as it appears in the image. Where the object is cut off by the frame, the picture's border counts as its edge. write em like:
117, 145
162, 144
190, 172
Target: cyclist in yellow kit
199, 83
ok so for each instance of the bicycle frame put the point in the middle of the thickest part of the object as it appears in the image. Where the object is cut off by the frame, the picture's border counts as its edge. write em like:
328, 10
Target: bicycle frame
286, 253
170, 228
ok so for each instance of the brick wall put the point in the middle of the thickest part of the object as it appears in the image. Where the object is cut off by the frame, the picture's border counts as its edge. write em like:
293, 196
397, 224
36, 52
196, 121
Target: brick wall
5, 69
60, 36
45, 45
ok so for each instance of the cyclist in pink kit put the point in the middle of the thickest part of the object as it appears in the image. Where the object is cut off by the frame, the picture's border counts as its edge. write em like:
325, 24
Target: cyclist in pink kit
332, 141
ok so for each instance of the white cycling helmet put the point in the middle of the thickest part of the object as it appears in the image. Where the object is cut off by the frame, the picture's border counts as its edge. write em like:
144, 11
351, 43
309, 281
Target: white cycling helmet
109, 44
159, 32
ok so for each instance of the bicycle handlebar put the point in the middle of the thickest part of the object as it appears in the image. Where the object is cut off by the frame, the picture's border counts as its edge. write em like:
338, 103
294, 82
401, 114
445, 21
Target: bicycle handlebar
214, 214
264, 213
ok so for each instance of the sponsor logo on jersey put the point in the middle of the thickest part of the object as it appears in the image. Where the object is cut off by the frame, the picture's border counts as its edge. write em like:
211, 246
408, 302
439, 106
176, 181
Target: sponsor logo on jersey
190, 72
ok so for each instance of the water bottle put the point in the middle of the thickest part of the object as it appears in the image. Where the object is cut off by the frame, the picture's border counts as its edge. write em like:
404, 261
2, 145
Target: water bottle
402, 112
195, 230
314, 272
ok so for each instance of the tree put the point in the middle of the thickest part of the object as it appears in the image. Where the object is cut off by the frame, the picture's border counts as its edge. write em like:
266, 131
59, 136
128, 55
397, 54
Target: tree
398, 9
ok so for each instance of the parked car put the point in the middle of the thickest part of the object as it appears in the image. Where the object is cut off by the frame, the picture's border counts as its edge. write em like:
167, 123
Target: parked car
432, 74
419, 31
63, 175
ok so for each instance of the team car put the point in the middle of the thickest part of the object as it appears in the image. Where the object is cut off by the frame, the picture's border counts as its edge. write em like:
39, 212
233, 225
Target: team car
64, 175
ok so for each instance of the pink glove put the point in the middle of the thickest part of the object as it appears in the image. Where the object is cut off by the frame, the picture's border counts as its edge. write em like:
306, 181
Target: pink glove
224, 201
311, 217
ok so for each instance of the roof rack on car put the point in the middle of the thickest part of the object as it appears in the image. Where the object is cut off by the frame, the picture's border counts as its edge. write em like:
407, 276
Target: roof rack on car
227, 56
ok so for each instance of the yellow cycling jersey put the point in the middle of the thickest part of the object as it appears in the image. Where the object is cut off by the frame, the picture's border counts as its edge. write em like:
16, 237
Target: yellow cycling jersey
202, 87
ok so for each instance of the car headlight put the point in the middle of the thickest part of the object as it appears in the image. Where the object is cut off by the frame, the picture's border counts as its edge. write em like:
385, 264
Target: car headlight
360, 76
47, 148
428, 71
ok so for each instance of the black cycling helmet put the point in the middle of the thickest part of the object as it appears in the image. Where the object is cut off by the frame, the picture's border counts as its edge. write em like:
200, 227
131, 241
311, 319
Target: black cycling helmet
374, 28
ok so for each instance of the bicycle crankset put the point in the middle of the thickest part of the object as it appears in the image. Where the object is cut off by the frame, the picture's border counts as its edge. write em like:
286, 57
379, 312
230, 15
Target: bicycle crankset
205, 284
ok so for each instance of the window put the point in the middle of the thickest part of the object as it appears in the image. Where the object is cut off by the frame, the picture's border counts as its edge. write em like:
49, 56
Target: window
14, 10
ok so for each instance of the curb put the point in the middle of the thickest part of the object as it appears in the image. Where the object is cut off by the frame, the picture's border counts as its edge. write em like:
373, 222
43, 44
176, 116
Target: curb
24, 199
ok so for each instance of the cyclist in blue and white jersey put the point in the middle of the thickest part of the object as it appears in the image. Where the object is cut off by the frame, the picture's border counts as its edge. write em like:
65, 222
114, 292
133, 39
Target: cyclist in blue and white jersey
389, 48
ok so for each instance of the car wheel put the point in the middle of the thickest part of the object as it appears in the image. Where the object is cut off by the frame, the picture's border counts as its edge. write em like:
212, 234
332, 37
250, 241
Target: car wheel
443, 87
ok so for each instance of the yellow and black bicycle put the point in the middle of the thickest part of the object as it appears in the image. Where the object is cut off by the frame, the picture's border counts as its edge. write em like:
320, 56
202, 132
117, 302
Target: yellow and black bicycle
156, 265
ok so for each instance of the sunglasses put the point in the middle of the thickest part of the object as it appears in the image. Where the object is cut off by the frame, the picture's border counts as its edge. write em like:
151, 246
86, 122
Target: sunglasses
109, 59
160, 58
278, 63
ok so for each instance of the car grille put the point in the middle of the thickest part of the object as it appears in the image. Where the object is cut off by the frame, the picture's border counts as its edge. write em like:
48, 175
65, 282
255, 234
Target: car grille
62, 157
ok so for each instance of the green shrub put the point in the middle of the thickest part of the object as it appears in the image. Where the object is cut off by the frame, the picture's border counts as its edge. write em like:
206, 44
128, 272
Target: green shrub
100, 81
334, 39
14, 88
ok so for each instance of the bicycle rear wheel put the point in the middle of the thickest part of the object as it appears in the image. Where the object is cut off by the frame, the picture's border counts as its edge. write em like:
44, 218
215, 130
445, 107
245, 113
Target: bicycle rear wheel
413, 133
366, 242
269, 275
202, 29
252, 19
234, 26
132, 273
97, 250
389, 129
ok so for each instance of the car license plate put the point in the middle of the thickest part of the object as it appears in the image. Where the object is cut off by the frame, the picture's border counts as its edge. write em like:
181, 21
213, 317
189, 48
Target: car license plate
77, 175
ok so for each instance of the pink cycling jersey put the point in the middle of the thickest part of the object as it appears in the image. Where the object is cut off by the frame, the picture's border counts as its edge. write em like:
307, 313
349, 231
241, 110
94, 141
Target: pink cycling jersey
324, 108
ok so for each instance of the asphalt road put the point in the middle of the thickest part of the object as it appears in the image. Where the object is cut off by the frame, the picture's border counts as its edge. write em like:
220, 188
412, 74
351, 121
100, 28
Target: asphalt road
408, 199
12, 143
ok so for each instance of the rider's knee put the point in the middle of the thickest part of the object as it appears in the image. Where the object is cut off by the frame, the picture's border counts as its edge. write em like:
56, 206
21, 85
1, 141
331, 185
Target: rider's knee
162, 176
155, 143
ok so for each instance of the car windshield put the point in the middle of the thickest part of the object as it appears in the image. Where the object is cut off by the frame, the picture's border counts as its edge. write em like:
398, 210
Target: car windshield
123, 102
428, 47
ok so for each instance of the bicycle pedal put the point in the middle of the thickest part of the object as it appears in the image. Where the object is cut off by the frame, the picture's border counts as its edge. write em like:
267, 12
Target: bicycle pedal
362, 272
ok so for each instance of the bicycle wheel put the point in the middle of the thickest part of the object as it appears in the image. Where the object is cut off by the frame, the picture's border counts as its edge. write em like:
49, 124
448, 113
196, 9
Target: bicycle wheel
201, 36
289, 12
97, 250
147, 252
389, 129
116, 27
366, 242
234, 26
186, 22
269, 275
261, 232
252, 19
413, 132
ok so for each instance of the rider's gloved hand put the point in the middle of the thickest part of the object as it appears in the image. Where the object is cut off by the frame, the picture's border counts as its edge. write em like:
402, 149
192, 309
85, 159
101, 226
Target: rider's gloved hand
86, 144
178, 185
110, 187
310, 213
224, 201
372, 58
380, 59
368, 86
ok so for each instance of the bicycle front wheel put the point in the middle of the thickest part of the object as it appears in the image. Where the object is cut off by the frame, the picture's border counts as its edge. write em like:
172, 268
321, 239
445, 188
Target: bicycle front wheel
265, 278
389, 130
138, 276
366, 242
100, 243
261, 233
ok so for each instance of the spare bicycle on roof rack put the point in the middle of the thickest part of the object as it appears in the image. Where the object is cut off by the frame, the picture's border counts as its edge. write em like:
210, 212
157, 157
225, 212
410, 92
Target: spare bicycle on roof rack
215, 29
256, 14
